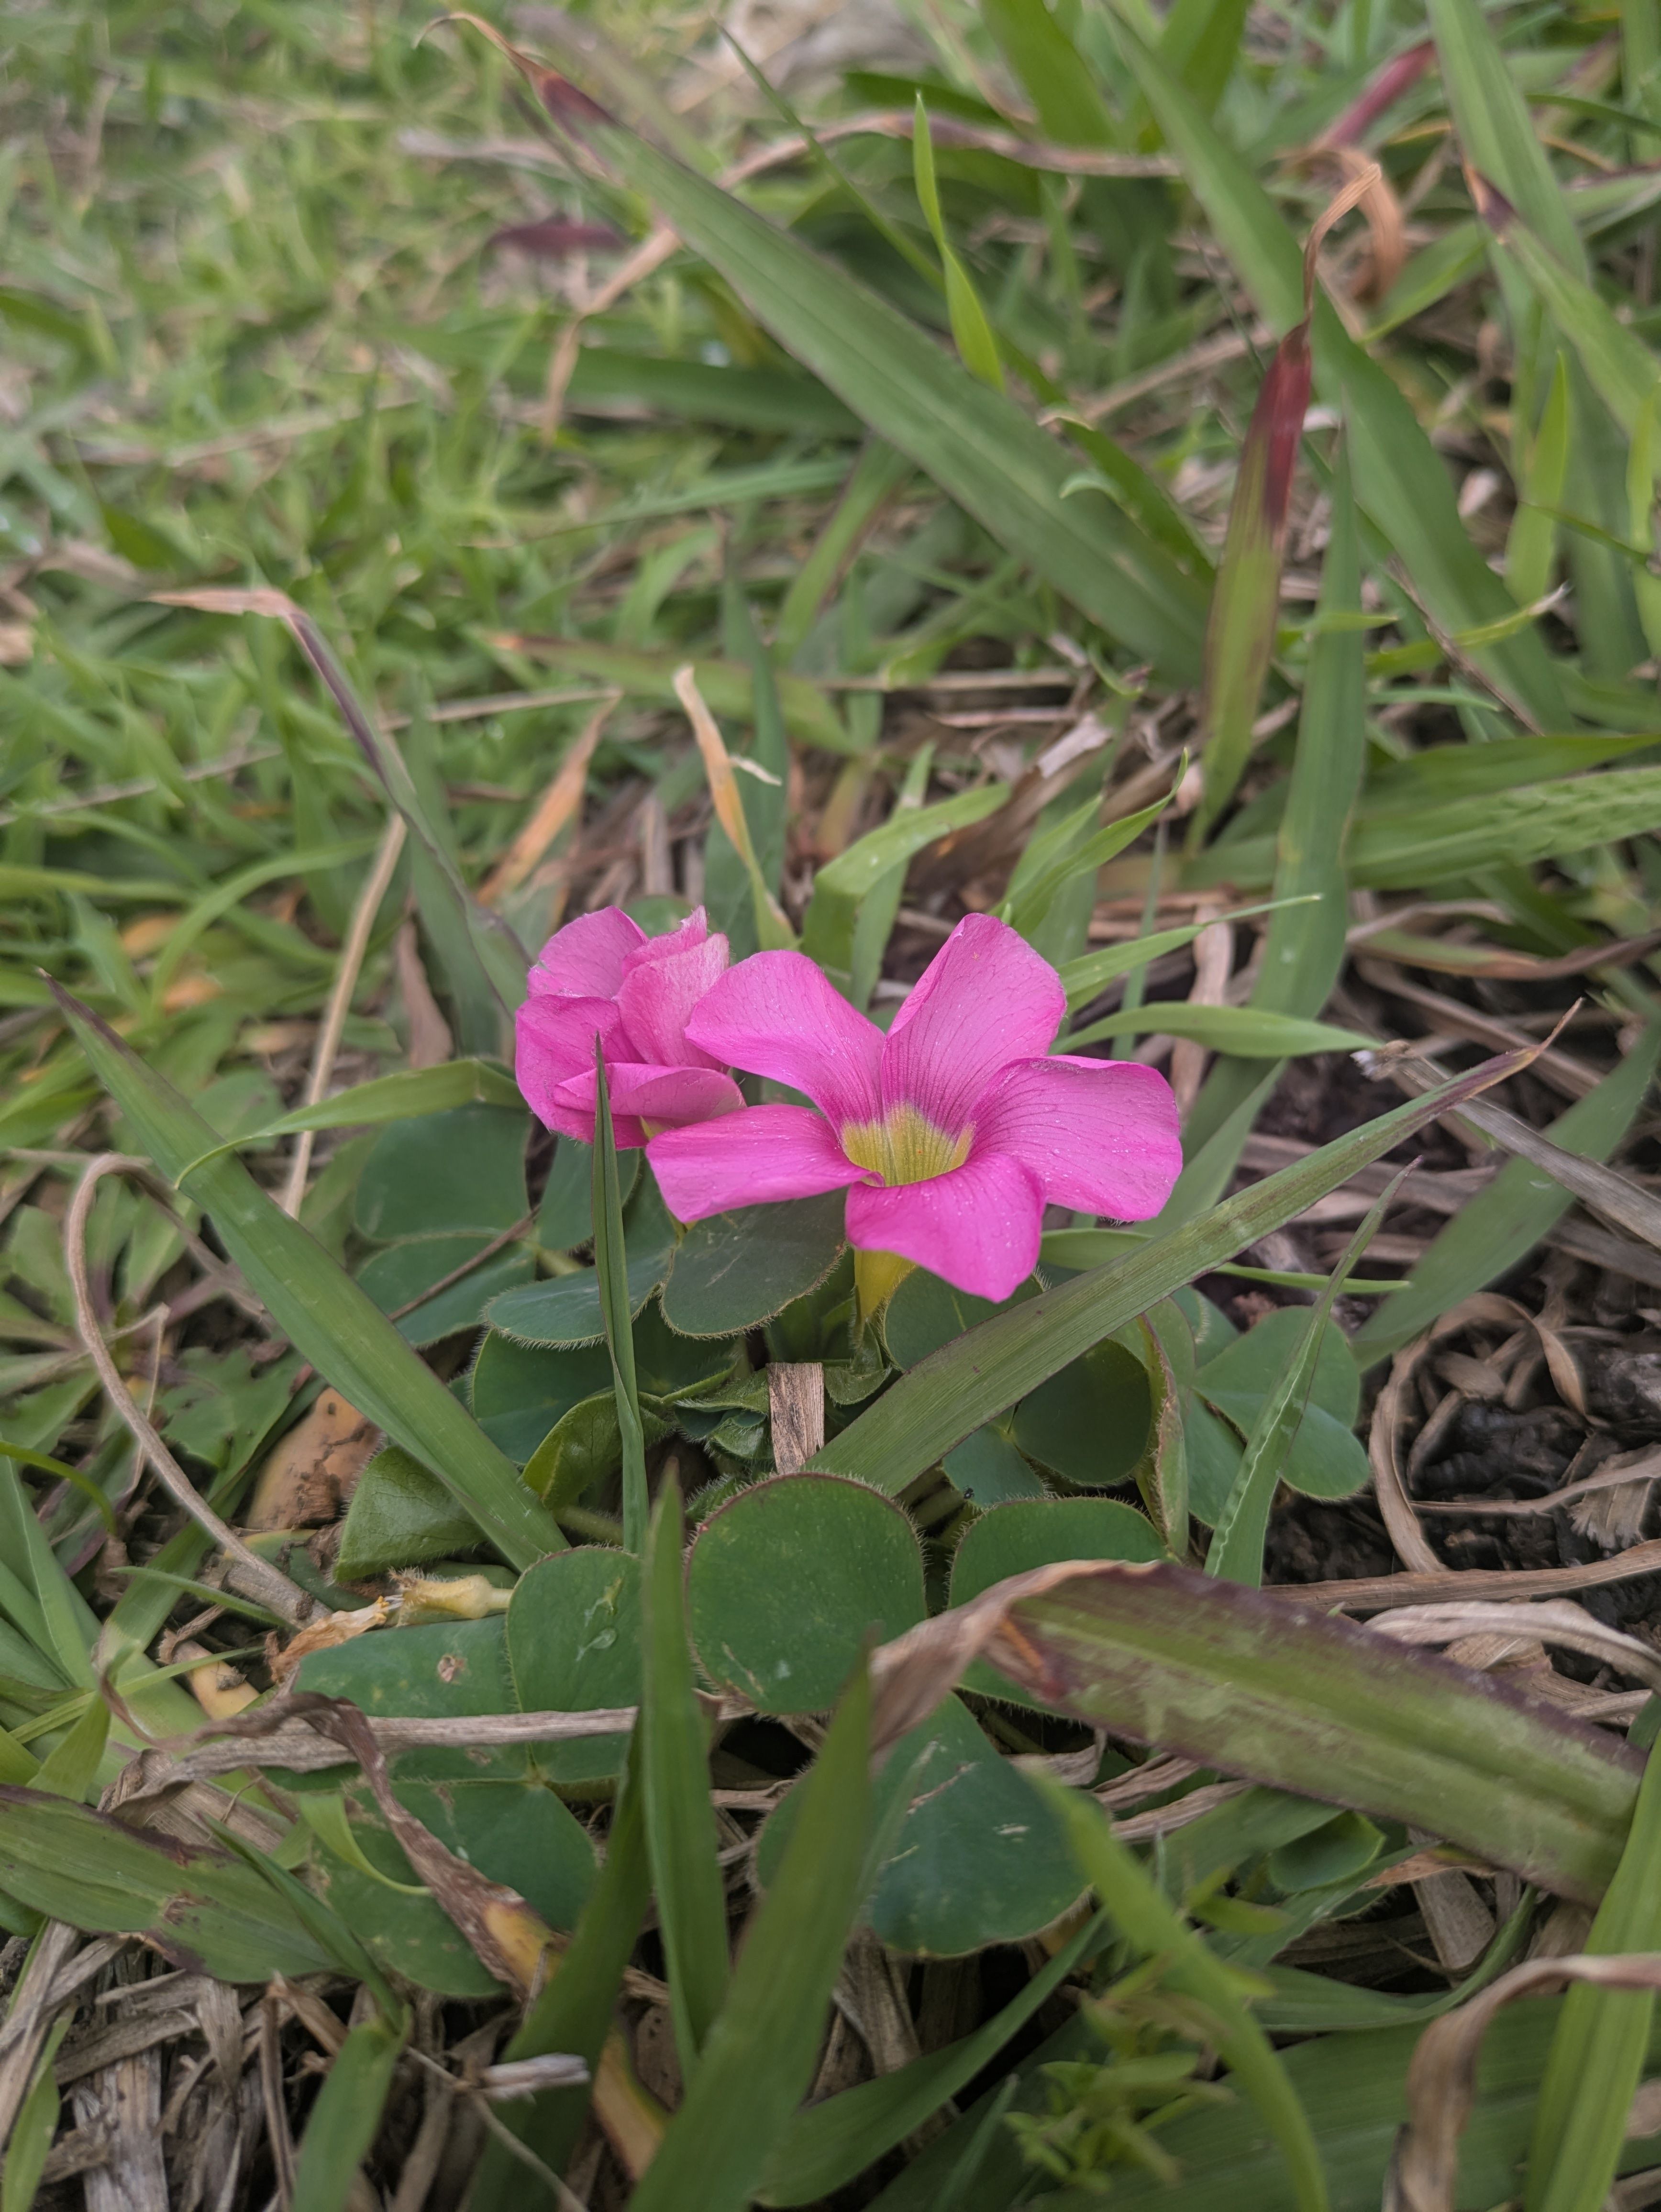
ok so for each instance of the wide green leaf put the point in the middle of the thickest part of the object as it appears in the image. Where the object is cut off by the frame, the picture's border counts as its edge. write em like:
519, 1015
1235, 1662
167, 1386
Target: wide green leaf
787, 1579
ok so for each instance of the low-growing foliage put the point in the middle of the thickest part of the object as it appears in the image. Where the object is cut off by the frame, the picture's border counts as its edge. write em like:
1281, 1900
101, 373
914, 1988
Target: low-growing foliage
829, 915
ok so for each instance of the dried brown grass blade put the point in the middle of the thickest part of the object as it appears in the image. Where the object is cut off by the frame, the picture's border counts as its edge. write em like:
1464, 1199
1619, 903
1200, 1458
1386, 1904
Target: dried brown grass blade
1441, 2084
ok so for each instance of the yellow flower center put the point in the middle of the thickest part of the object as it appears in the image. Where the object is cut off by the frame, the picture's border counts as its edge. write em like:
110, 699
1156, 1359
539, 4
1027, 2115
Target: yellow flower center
903, 1147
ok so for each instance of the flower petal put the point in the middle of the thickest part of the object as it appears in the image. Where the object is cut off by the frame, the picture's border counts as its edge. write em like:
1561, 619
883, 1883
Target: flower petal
646, 1097
661, 989
585, 960
764, 1153
985, 999
1100, 1135
694, 931
977, 1228
553, 1041
776, 1015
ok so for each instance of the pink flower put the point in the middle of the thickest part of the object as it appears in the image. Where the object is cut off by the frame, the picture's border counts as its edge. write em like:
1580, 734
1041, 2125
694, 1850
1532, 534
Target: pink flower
602, 976
950, 1136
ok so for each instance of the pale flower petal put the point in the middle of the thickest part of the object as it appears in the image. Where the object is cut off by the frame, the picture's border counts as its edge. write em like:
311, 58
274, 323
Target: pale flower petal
1100, 1135
763, 1154
985, 999
977, 1228
585, 960
776, 1015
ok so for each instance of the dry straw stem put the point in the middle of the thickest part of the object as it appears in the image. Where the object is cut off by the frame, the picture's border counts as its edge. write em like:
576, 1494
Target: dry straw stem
557, 808
375, 887
1441, 2082
255, 1575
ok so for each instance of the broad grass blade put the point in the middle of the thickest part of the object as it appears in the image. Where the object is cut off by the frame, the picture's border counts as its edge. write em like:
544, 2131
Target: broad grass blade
1532, 544
758, 2058
574, 2010
320, 1308
1252, 1683
842, 885
1153, 1926
474, 938
346, 2117
1245, 600
1304, 951
32, 2132
1401, 481
1619, 366
1400, 849
202, 1909
830, 2144
1039, 53
1495, 131
947, 1396
1491, 1233
680, 1822
1603, 2035
612, 1265
978, 446
972, 332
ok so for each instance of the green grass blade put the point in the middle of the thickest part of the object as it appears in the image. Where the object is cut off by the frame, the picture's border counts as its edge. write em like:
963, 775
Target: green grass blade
1153, 1926
831, 2143
981, 449
320, 1309
402, 1096
1531, 545
346, 2117
36, 2123
1493, 1231
1304, 951
1245, 618
1495, 131
1091, 972
1243, 1031
758, 2060
874, 914
727, 687
574, 2009
1400, 848
972, 332
612, 1265
1039, 53
1400, 482
947, 1396
878, 474
1200, 40
1619, 366
1602, 2038
1250, 1682
680, 1822
842, 886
